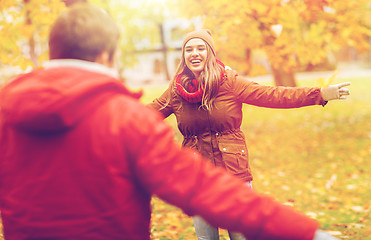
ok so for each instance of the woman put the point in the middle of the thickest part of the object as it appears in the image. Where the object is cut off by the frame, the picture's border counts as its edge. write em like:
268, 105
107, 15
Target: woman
206, 98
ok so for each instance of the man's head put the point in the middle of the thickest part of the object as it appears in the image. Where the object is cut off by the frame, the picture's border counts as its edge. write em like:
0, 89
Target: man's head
83, 32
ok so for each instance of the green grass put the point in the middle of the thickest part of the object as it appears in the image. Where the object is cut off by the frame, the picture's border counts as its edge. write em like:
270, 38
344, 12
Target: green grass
316, 159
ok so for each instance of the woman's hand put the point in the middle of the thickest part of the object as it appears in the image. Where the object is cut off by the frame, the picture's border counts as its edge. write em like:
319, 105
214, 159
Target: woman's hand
321, 235
337, 91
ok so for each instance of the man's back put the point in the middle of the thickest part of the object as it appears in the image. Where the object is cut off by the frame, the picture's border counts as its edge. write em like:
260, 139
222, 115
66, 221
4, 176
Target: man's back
64, 166
80, 159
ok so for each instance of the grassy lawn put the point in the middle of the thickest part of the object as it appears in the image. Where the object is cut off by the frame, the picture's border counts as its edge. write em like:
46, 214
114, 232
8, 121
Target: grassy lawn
315, 159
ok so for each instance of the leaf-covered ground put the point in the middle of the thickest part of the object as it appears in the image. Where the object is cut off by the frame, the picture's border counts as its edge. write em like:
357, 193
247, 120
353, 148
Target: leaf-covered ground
315, 159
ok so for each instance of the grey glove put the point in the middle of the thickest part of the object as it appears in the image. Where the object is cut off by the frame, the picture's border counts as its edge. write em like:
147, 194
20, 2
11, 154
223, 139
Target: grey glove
337, 91
321, 235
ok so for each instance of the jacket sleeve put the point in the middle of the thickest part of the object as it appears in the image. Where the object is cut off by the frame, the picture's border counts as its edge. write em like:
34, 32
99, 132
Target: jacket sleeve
183, 178
163, 103
274, 97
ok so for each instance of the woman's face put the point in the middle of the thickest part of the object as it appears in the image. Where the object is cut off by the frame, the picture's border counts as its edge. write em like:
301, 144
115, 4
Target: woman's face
195, 53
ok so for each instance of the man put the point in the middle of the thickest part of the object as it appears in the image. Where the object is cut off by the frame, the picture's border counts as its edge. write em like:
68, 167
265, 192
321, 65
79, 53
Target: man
80, 157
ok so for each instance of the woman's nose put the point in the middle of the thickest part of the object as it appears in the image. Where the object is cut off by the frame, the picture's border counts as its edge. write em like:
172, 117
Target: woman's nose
195, 52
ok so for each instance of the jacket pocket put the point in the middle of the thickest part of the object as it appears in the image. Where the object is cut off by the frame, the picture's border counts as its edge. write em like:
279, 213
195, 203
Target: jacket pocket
234, 154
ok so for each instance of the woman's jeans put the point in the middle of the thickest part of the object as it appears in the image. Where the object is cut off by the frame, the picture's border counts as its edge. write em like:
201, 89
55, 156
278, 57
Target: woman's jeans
205, 231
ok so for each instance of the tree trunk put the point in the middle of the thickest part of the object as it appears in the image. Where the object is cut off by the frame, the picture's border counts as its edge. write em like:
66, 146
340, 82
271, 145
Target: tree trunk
31, 40
33, 55
69, 3
164, 51
284, 78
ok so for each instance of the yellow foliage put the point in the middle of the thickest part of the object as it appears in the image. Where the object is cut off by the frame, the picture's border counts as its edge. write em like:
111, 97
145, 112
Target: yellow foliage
23, 62
260, 7
310, 29
22, 22
43, 57
326, 82
4, 4
257, 70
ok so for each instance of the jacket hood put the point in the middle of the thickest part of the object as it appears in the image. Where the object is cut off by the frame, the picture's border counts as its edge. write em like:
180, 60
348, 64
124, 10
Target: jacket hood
55, 99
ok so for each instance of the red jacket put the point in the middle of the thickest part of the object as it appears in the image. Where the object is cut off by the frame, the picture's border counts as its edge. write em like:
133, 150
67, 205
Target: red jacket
80, 158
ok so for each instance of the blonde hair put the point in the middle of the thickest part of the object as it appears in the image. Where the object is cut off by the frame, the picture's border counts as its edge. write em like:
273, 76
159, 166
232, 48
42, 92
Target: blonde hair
209, 79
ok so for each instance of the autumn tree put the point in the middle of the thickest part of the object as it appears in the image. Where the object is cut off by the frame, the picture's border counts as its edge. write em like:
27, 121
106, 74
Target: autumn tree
292, 33
24, 28
141, 25
25, 25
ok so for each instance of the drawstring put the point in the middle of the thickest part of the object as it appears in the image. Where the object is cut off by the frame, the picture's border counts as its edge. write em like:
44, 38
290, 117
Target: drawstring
210, 132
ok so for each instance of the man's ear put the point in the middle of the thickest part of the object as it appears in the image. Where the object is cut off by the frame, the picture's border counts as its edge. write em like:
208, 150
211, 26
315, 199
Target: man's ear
104, 59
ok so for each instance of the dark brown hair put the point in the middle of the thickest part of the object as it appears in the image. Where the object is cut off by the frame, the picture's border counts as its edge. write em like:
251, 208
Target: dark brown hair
83, 32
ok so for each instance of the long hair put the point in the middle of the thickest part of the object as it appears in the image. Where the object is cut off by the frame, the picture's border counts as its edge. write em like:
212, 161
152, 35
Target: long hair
209, 79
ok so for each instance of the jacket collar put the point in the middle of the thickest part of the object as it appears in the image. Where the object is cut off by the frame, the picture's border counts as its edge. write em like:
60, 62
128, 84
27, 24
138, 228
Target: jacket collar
86, 65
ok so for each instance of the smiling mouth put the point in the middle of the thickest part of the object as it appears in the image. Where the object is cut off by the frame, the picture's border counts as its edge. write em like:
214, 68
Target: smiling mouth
196, 61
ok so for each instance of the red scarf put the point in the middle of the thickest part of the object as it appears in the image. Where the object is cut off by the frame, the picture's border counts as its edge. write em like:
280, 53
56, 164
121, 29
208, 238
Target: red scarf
193, 93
